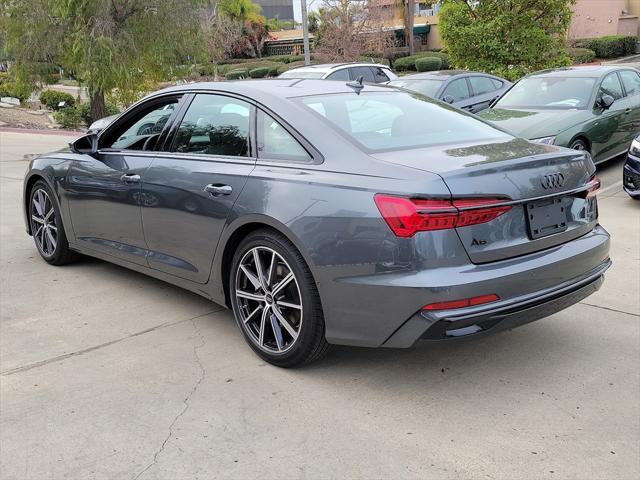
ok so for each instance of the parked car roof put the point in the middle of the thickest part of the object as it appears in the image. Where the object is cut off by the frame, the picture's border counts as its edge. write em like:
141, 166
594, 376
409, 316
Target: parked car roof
595, 71
327, 67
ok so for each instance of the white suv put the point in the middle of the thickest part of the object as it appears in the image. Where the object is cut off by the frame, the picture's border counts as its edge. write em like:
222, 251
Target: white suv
372, 73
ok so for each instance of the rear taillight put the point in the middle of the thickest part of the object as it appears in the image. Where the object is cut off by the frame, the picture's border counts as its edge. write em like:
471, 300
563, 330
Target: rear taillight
407, 216
593, 187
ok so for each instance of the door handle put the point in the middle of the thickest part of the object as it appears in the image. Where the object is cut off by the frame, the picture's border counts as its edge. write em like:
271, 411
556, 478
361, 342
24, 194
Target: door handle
130, 178
218, 190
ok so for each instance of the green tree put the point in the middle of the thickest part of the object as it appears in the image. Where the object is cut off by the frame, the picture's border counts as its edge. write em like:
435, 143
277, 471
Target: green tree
509, 38
115, 45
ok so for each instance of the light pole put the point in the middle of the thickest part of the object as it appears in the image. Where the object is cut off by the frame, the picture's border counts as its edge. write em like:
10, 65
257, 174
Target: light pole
305, 32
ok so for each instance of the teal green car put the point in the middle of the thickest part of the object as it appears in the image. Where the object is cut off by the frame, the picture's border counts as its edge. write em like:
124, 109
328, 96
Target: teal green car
585, 108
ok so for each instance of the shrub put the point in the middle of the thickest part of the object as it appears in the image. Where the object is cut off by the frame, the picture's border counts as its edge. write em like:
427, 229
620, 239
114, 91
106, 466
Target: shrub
526, 37
235, 74
68, 117
16, 90
581, 55
409, 63
428, 64
260, 72
442, 56
84, 110
52, 98
610, 46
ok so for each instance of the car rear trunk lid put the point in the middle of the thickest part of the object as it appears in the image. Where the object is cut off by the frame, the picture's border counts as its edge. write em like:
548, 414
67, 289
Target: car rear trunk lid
543, 185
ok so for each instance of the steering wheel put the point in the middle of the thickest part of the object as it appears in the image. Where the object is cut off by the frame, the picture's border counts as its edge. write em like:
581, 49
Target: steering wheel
149, 142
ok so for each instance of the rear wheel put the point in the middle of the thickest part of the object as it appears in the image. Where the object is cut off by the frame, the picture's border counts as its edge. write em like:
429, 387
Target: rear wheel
579, 144
275, 301
46, 226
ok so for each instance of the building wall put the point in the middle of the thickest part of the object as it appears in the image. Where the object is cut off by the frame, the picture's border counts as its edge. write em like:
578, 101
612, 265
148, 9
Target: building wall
597, 18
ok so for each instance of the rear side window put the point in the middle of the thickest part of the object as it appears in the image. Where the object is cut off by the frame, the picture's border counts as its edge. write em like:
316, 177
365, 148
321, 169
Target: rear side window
362, 71
611, 86
631, 81
275, 142
398, 120
481, 85
215, 125
379, 75
496, 83
342, 74
457, 89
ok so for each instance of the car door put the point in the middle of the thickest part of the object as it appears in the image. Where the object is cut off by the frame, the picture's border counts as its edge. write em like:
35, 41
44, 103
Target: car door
607, 131
457, 93
631, 83
104, 189
190, 187
483, 92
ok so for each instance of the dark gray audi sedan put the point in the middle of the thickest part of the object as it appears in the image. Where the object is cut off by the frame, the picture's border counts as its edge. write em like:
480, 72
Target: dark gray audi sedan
328, 213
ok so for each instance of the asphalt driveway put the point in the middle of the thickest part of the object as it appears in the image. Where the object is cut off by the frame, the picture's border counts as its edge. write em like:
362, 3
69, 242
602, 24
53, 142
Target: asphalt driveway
106, 373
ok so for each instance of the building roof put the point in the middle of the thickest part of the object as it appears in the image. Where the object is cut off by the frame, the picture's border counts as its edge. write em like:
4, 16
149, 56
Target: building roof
287, 35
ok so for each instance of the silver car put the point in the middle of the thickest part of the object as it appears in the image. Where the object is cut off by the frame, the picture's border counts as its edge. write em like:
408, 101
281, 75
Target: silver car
328, 213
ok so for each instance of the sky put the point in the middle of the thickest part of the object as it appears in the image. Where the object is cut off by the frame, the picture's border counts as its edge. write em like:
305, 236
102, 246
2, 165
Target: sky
297, 9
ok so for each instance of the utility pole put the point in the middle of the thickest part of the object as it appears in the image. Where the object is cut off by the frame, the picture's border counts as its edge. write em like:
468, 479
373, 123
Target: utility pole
410, 14
305, 32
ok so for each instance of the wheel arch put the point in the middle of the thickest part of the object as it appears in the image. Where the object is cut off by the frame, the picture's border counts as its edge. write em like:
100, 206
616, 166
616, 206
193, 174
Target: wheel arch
235, 233
581, 136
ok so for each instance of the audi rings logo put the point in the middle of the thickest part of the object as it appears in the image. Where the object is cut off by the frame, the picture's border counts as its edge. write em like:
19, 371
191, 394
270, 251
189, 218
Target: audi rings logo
552, 180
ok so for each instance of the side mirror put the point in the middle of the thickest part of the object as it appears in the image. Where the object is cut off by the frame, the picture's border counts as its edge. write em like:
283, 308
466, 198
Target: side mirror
605, 101
87, 144
449, 99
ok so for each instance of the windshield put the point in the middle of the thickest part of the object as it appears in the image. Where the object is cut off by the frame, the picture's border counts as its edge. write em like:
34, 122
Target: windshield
301, 74
425, 86
548, 92
398, 120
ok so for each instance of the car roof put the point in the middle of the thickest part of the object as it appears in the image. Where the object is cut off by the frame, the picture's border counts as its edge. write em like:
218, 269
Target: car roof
265, 89
328, 67
443, 74
587, 71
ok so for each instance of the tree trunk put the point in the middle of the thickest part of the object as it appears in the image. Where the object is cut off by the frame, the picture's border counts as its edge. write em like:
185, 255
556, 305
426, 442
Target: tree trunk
410, 12
98, 107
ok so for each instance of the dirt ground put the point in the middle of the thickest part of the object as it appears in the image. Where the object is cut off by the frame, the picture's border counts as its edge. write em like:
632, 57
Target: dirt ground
24, 118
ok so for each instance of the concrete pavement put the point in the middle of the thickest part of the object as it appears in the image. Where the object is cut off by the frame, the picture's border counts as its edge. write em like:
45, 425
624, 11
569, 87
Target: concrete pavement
106, 373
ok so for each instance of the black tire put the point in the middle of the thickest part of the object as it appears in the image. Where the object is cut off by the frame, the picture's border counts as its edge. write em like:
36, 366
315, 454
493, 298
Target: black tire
310, 344
579, 144
60, 254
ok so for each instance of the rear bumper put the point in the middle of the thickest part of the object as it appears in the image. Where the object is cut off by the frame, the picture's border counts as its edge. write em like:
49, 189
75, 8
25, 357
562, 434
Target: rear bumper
474, 322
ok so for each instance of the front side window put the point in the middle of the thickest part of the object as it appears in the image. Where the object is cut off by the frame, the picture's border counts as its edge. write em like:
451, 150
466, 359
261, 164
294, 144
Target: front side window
425, 86
549, 92
215, 125
276, 143
611, 86
631, 81
391, 120
457, 90
481, 85
132, 133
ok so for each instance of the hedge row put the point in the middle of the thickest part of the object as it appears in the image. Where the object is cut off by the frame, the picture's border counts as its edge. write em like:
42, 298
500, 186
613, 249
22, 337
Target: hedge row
404, 64
610, 46
581, 55
428, 64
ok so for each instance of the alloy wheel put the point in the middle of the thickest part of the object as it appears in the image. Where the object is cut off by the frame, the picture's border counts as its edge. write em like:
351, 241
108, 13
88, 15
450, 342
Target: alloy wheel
43, 222
268, 300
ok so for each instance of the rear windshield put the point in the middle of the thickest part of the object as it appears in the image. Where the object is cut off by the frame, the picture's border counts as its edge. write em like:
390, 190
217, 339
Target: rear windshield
549, 92
297, 74
425, 86
398, 120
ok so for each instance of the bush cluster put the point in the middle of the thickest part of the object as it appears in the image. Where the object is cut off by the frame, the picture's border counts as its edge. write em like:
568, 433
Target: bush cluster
236, 74
14, 89
428, 64
610, 46
404, 64
85, 111
581, 55
260, 72
68, 117
52, 98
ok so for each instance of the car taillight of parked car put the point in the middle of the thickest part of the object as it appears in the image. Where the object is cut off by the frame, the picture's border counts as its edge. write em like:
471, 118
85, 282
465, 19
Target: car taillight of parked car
407, 216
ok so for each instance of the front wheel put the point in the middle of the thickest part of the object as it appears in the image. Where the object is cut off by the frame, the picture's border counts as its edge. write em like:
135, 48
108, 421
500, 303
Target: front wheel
579, 144
46, 226
275, 301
